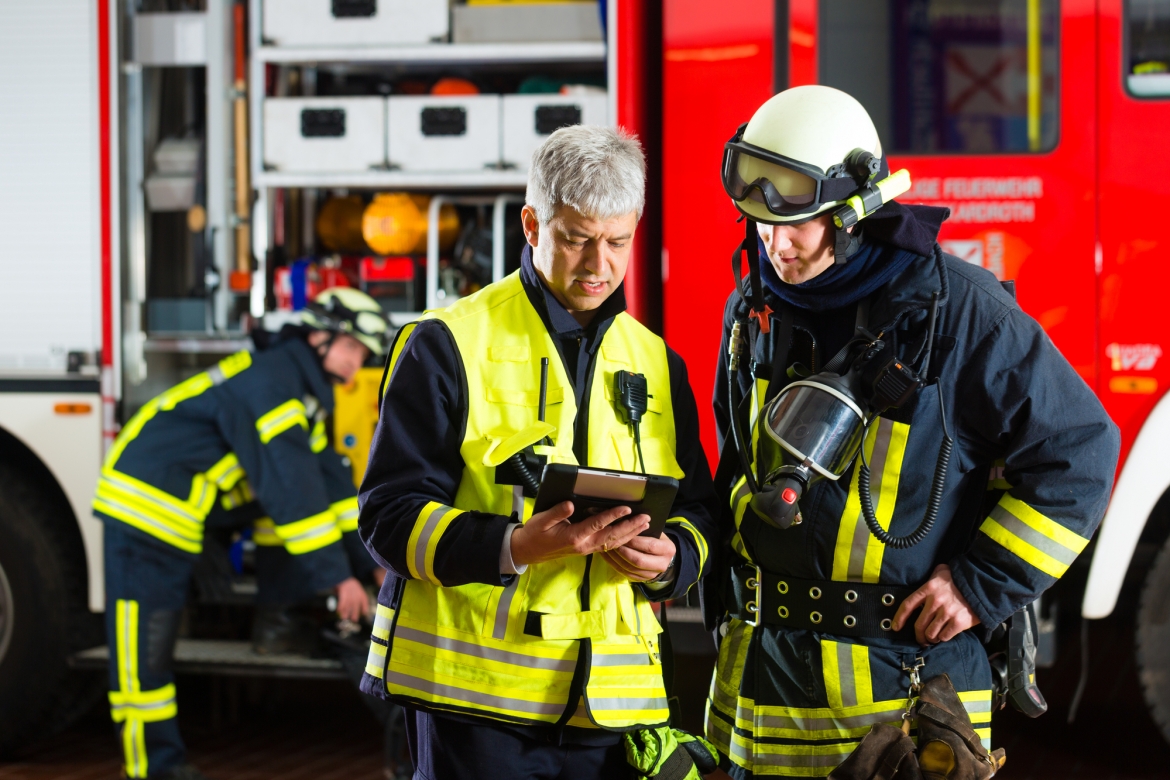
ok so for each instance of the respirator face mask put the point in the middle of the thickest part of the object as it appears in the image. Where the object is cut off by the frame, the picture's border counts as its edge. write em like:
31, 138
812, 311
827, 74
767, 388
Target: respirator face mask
820, 422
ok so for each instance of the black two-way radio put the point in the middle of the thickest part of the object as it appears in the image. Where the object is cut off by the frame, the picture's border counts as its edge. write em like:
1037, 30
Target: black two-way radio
632, 400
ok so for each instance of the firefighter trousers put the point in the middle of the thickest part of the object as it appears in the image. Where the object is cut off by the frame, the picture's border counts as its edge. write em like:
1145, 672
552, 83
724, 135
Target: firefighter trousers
146, 589
795, 703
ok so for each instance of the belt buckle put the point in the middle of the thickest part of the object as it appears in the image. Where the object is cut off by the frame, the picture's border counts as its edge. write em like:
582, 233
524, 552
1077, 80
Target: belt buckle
754, 606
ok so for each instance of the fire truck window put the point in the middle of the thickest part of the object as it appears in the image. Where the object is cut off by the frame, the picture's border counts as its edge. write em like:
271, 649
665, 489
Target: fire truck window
948, 76
1147, 47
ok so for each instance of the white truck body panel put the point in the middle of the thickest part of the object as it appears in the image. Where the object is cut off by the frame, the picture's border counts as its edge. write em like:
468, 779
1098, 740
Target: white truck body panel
70, 445
1143, 480
50, 206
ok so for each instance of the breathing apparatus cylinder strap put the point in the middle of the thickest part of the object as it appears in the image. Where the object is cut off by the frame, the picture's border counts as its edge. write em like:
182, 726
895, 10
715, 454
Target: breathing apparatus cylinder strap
857, 609
760, 311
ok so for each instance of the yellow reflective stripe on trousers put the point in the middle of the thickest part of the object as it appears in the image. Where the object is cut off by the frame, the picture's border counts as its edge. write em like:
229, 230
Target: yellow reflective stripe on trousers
723, 698
819, 723
689, 527
317, 439
451, 667
1040, 541
147, 706
226, 472
428, 529
847, 676
280, 419
126, 661
978, 706
800, 760
346, 514
309, 534
857, 556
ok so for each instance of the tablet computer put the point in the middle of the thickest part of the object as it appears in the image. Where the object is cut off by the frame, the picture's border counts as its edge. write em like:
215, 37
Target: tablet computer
595, 490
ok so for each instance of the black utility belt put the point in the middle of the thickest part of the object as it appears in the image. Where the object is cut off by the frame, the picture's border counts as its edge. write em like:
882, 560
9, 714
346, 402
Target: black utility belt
843, 608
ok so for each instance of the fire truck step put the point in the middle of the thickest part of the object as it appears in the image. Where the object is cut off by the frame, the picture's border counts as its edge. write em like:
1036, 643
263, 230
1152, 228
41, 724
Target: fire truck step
229, 658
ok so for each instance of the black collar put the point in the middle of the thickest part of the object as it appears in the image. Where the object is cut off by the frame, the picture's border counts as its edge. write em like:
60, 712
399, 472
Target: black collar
557, 319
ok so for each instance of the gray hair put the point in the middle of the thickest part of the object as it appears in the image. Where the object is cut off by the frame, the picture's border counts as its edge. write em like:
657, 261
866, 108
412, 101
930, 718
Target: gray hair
599, 171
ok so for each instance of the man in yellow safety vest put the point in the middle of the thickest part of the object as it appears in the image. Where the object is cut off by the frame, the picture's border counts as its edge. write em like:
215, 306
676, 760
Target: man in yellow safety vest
525, 645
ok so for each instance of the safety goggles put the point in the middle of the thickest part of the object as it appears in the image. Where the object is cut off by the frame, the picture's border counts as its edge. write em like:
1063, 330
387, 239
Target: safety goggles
784, 186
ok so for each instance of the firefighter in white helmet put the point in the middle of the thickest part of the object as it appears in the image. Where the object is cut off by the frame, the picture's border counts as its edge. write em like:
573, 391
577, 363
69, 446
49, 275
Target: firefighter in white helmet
882, 380
243, 442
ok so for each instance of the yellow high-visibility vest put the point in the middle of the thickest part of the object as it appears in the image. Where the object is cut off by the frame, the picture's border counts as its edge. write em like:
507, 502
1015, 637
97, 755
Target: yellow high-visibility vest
510, 653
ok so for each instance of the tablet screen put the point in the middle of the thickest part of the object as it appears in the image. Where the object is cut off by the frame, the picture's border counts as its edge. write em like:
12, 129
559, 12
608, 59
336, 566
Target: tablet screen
607, 484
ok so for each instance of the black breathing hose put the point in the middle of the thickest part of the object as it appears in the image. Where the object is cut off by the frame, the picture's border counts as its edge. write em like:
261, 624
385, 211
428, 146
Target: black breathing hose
734, 401
517, 464
932, 504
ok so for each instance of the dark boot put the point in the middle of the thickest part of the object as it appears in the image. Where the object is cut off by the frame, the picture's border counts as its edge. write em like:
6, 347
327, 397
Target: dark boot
184, 772
281, 630
948, 747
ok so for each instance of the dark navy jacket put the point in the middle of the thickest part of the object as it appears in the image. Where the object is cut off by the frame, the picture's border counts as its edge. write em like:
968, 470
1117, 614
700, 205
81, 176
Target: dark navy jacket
1033, 461
187, 436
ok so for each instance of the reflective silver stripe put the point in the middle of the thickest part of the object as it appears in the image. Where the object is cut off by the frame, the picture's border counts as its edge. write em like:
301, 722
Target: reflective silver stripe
851, 722
845, 674
746, 756
215, 374
877, 467
181, 509
1033, 537
224, 479
325, 528
144, 707
597, 704
500, 628
382, 624
621, 659
376, 660
204, 488
490, 654
978, 706
472, 697
130, 643
170, 531
424, 539
277, 422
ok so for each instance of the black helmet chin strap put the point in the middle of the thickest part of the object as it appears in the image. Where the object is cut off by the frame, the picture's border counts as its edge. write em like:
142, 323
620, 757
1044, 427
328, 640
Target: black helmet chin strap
322, 351
760, 311
845, 244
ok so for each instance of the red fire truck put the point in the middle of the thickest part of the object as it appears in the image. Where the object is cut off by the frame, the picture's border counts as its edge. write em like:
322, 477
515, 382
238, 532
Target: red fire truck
1039, 123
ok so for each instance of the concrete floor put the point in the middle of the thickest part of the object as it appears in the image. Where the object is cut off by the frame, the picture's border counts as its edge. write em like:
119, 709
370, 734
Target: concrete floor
292, 730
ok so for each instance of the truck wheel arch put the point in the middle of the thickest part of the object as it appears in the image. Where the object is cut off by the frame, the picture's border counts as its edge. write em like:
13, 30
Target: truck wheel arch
1144, 480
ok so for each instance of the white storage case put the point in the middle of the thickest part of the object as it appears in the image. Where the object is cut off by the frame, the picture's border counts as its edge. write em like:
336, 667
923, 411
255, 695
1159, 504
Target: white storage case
354, 22
324, 134
452, 133
530, 119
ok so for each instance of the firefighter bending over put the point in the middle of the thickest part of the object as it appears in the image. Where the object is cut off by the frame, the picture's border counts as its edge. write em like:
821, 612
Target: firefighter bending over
248, 432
